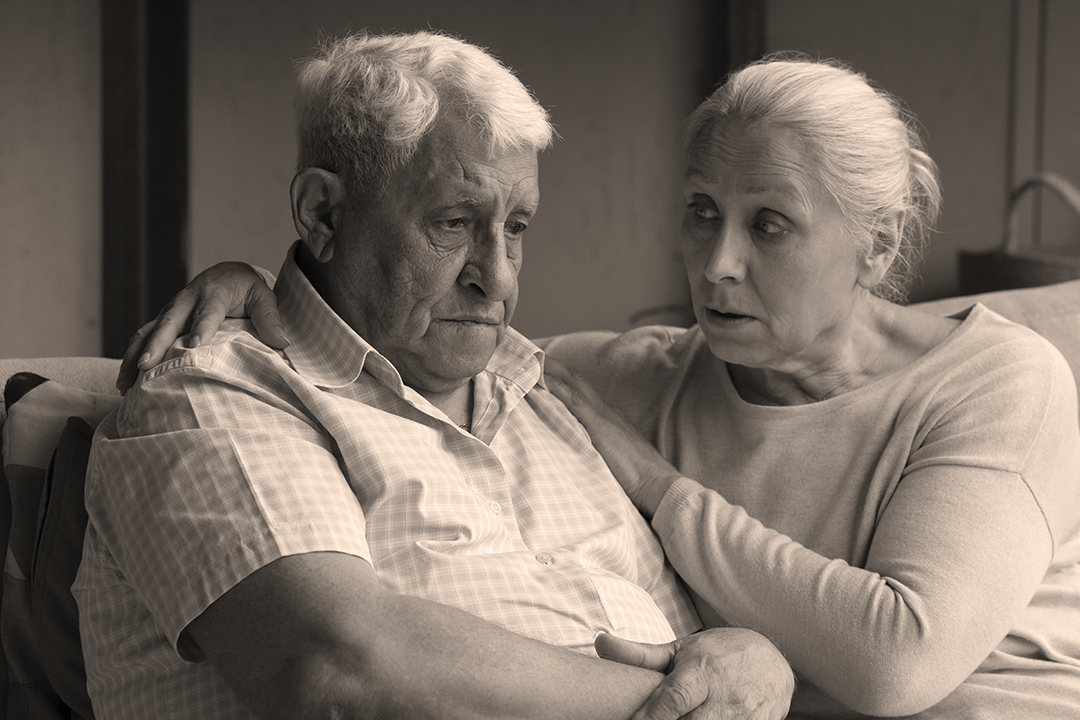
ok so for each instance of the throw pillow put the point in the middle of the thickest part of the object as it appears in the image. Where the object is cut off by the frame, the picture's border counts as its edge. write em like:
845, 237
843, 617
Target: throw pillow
37, 413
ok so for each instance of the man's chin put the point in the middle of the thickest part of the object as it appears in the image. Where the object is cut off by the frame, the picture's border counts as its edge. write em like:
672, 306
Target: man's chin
451, 365
464, 366
447, 357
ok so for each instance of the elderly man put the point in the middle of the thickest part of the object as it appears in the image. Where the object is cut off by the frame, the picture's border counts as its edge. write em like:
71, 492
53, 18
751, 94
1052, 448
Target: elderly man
392, 517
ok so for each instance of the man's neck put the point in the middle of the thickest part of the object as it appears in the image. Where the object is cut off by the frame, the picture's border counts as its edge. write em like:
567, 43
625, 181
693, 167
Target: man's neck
456, 403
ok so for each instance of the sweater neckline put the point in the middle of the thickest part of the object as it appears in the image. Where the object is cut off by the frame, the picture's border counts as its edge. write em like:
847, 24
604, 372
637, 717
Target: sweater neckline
967, 317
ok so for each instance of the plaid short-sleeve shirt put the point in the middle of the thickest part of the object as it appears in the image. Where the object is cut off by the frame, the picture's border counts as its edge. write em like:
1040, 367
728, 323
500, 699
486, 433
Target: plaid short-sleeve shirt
232, 455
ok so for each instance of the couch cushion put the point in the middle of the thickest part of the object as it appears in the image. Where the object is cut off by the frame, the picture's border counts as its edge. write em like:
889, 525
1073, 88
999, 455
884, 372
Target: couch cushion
44, 545
1053, 311
61, 526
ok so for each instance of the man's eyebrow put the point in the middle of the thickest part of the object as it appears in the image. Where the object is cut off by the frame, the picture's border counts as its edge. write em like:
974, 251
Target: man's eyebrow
462, 201
471, 201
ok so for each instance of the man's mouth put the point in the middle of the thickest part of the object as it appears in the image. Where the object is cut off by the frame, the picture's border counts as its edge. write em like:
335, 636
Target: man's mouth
476, 320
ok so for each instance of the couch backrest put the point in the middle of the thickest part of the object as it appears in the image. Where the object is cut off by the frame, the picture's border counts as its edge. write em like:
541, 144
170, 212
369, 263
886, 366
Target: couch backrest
87, 373
1053, 311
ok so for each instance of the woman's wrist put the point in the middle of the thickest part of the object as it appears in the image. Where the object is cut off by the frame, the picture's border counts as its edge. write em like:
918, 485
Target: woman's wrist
653, 492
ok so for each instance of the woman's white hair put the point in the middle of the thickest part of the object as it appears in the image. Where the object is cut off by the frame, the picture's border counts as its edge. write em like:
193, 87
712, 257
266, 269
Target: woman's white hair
867, 150
364, 102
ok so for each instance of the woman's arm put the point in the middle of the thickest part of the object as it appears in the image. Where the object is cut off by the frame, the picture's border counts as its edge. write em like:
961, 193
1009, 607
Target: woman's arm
955, 558
950, 569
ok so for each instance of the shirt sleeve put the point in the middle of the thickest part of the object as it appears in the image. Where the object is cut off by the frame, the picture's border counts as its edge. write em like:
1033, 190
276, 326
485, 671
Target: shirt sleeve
957, 551
208, 480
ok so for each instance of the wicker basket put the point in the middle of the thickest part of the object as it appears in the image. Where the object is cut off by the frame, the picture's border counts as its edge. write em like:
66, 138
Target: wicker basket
1015, 266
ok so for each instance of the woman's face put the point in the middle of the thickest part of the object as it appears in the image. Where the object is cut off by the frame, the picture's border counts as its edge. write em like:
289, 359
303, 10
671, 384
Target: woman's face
774, 276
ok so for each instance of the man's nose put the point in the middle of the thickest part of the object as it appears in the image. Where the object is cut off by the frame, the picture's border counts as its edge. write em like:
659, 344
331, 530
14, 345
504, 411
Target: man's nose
490, 266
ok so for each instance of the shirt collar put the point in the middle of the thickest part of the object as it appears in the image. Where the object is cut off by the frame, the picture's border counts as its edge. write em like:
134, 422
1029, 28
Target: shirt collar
328, 353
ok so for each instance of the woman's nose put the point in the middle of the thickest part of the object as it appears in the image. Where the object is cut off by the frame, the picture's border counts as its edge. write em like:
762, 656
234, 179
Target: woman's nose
726, 256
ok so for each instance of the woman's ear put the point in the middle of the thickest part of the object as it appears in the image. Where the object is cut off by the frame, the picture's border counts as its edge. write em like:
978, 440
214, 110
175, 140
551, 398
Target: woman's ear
317, 199
886, 244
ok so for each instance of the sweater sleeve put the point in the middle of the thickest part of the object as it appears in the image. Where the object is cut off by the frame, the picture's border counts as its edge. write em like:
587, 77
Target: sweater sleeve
889, 641
957, 553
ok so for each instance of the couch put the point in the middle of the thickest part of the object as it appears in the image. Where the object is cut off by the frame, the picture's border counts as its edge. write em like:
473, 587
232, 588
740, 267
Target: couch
48, 419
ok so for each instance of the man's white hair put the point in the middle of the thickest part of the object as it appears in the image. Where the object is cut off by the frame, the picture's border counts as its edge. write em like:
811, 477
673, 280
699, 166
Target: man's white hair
365, 101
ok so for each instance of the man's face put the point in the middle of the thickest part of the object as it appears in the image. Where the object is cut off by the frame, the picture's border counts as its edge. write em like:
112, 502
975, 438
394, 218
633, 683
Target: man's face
426, 271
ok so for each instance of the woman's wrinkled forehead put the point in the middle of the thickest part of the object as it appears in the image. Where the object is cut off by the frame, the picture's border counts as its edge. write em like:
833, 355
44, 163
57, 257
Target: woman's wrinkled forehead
753, 156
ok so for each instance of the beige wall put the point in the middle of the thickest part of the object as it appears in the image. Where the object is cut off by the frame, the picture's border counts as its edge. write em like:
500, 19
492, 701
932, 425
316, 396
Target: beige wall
948, 60
50, 199
1058, 228
618, 76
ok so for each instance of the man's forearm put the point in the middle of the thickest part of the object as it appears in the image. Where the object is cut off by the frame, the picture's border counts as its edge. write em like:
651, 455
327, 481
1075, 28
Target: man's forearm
315, 636
439, 662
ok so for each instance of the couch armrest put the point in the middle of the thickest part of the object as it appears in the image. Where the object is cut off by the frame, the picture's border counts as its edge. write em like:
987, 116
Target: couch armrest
88, 373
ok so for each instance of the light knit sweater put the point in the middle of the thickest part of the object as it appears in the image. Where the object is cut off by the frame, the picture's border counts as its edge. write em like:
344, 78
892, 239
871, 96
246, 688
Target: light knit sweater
912, 546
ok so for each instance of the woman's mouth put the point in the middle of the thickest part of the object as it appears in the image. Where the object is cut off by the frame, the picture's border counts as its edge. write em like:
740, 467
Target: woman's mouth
725, 318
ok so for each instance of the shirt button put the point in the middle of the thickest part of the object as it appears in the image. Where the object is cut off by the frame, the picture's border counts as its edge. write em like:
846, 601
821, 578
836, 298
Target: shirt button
544, 559
496, 507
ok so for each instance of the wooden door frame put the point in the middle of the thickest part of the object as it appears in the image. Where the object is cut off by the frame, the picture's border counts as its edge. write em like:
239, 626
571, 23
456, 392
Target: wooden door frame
144, 162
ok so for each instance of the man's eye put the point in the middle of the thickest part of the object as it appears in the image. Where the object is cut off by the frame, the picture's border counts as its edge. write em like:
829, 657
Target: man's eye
516, 228
454, 223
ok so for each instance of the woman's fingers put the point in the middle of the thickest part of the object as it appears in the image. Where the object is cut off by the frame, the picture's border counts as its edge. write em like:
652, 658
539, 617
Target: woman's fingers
262, 306
147, 347
224, 290
629, 652
129, 366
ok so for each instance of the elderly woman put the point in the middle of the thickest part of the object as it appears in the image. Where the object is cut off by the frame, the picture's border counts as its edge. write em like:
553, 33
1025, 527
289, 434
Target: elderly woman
890, 496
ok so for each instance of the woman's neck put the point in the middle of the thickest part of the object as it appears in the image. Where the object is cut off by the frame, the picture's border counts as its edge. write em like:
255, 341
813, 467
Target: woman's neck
878, 342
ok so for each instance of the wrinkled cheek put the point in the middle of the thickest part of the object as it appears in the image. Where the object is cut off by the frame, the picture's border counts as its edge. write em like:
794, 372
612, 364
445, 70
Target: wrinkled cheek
694, 254
404, 319
509, 305
695, 276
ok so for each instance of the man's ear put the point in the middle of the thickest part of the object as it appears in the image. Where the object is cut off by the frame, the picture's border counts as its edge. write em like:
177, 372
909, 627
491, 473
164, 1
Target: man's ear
317, 203
886, 244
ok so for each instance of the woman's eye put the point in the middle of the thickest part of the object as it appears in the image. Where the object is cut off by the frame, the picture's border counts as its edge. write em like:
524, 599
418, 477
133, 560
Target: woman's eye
702, 212
768, 228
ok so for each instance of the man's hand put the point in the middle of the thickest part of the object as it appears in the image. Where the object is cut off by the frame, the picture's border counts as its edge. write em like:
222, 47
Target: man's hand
722, 673
229, 289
